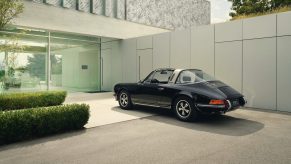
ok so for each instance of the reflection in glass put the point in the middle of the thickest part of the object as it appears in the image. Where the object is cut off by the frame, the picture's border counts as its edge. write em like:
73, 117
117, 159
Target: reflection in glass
22, 62
75, 62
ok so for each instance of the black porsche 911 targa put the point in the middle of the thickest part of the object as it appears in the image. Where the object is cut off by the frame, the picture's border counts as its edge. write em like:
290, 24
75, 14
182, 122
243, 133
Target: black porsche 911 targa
189, 92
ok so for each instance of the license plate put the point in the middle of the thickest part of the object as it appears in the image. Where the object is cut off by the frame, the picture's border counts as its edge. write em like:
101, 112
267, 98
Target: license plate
235, 103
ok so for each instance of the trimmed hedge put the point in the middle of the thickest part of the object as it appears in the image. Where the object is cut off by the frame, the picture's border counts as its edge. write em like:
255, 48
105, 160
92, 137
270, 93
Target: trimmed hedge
13, 101
30, 123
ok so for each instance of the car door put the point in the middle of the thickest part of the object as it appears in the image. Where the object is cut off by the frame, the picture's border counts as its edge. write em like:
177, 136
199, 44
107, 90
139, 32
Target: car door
148, 93
150, 90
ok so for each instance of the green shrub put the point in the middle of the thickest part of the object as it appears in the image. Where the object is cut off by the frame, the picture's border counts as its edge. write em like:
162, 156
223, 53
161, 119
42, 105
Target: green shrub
13, 101
25, 124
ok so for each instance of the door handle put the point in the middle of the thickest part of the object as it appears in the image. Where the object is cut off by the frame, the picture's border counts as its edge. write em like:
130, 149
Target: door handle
161, 89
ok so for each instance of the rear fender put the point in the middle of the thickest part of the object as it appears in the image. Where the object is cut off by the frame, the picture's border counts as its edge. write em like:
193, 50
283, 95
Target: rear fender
185, 94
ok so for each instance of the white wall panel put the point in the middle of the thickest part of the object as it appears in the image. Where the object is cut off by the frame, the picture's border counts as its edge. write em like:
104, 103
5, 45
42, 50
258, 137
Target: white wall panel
106, 45
228, 31
145, 42
129, 67
284, 23
180, 56
202, 48
228, 63
161, 50
259, 27
116, 63
284, 74
144, 63
259, 73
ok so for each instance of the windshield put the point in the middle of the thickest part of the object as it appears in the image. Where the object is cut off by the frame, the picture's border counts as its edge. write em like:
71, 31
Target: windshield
193, 76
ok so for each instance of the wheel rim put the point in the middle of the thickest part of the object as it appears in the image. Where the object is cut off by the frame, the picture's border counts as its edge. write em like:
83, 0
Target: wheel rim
183, 108
123, 99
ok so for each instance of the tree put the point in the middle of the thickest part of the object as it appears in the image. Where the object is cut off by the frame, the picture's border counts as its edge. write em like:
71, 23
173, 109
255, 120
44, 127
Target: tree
247, 7
9, 9
280, 3
36, 65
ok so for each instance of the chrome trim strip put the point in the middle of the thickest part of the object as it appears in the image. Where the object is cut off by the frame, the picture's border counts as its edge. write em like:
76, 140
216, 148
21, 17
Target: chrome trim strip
151, 105
210, 106
229, 103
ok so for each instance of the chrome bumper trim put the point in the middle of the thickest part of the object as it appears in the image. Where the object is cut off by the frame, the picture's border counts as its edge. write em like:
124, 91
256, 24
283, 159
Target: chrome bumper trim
210, 106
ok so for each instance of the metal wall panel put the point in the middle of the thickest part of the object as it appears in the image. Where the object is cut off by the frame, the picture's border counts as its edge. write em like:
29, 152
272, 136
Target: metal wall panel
129, 66
72, 4
180, 49
109, 8
228, 63
259, 27
259, 73
228, 31
161, 51
84, 5
202, 48
98, 7
121, 9
284, 75
284, 23
38, 1
145, 42
53, 2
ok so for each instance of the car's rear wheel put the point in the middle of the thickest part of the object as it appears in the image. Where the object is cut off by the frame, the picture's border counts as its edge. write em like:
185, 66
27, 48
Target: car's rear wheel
185, 109
124, 100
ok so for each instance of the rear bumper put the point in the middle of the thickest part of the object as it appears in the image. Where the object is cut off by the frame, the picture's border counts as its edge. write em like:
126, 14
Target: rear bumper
230, 106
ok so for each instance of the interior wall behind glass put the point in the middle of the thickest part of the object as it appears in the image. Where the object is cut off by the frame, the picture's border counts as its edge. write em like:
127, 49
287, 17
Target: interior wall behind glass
22, 67
75, 64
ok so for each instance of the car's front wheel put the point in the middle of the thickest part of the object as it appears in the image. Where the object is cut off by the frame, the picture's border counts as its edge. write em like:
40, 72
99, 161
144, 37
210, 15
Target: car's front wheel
124, 100
185, 109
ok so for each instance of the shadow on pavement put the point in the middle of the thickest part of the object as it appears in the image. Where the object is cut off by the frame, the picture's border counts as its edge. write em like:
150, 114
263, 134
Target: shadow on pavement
224, 124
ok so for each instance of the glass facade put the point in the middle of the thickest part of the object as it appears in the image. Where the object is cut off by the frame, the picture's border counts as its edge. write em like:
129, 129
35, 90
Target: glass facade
35, 60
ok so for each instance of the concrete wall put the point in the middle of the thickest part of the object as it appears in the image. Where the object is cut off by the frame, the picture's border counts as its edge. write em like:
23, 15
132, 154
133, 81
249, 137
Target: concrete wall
174, 14
51, 18
252, 55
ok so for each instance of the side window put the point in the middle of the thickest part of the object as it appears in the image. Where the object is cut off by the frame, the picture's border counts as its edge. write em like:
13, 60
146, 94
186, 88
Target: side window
162, 76
186, 77
149, 78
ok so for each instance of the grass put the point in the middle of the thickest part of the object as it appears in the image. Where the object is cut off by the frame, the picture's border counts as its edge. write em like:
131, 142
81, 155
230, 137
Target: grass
278, 10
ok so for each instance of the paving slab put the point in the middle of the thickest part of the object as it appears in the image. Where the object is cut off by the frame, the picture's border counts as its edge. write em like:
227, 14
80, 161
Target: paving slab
104, 109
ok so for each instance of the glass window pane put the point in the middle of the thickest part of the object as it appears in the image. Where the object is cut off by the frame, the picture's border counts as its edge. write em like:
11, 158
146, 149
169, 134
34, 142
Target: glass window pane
22, 61
75, 62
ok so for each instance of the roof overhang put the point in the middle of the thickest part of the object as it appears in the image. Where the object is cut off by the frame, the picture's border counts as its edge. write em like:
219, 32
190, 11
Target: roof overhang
47, 17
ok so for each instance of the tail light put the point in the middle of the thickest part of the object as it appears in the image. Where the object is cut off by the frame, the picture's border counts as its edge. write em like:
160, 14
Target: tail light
217, 102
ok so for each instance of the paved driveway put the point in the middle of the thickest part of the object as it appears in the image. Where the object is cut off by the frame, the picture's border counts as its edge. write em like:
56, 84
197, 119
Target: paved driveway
242, 136
104, 109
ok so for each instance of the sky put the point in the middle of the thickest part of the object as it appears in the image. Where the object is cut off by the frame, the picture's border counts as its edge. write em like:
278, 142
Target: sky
220, 10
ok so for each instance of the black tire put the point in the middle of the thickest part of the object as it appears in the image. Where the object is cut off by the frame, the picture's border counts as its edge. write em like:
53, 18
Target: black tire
124, 100
185, 109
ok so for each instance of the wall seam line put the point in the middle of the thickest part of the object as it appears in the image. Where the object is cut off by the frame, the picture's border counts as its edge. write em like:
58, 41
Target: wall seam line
242, 58
276, 108
214, 54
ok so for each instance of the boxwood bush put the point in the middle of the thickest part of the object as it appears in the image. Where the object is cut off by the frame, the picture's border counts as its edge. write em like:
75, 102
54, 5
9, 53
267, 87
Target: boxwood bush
13, 101
19, 125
